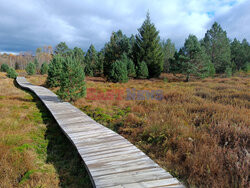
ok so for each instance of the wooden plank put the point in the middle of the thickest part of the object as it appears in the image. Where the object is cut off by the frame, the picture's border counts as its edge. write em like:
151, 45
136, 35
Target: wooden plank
172, 182
131, 177
112, 161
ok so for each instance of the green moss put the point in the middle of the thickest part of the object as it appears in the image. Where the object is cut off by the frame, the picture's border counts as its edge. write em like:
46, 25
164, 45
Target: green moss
26, 176
25, 107
2, 97
23, 147
37, 117
112, 119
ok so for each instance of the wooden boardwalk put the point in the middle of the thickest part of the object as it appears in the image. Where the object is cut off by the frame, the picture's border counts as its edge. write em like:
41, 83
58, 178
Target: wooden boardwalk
110, 159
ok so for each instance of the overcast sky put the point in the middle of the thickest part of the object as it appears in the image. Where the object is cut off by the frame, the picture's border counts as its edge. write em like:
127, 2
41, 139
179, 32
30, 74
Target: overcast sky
28, 24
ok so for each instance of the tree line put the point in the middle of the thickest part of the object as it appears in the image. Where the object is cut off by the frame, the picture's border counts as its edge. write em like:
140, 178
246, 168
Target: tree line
146, 56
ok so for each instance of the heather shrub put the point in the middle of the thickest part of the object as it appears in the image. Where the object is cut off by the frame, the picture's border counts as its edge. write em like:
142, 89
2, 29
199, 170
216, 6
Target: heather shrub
199, 131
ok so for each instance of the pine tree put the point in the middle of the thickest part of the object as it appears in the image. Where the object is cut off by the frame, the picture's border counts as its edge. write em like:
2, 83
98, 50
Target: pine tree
4, 67
197, 61
62, 49
118, 72
217, 47
142, 70
78, 54
237, 54
246, 54
91, 61
131, 68
114, 49
30, 68
246, 67
148, 49
72, 84
99, 66
130, 65
44, 68
55, 70
228, 72
36, 63
175, 63
209, 70
168, 50
11, 73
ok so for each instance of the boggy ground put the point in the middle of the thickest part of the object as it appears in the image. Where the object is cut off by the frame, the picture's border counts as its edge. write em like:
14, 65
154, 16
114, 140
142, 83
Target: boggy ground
33, 150
199, 131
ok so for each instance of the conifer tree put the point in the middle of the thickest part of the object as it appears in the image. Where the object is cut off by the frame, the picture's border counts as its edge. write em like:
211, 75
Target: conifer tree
168, 50
4, 67
62, 49
78, 54
91, 61
237, 54
100, 62
30, 68
218, 47
118, 72
11, 73
36, 63
44, 68
131, 68
130, 65
175, 63
246, 54
148, 49
55, 70
114, 49
142, 70
72, 84
196, 60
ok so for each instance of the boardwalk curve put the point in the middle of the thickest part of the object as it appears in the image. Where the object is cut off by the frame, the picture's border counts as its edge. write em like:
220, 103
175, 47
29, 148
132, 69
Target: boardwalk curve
110, 159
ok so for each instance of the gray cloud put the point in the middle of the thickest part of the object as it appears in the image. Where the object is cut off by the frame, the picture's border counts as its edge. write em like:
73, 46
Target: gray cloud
27, 24
236, 21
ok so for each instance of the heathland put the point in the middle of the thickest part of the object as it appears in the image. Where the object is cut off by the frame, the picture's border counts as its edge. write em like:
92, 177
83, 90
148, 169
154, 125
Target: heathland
190, 113
199, 131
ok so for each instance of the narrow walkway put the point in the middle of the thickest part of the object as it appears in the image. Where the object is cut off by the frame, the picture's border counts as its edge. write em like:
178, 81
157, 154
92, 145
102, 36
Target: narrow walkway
110, 159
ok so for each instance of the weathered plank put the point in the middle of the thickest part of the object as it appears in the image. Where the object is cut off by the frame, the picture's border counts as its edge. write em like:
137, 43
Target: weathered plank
110, 159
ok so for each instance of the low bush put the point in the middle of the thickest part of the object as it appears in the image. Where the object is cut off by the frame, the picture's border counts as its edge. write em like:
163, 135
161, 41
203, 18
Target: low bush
11, 73
30, 69
4, 68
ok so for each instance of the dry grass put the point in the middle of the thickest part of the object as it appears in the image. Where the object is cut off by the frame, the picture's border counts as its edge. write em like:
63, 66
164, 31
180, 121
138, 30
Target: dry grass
33, 150
199, 131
